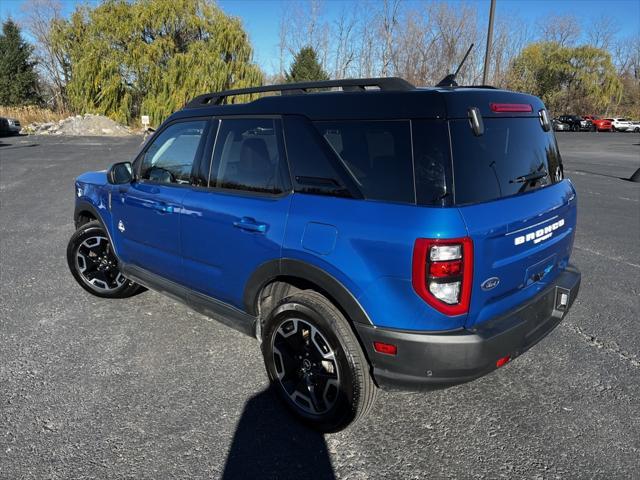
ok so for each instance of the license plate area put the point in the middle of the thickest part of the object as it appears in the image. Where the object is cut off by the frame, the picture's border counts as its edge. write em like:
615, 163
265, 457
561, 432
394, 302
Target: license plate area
540, 270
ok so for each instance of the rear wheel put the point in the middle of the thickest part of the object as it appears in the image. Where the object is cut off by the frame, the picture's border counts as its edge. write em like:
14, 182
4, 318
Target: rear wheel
94, 265
316, 363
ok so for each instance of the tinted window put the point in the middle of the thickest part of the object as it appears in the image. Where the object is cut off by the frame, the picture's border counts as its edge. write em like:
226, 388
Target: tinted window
315, 169
432, 162
248, 156
170, 156
495, 164
377, 154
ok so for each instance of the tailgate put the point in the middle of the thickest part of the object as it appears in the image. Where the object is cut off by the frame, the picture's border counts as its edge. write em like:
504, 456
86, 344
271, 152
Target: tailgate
521, 243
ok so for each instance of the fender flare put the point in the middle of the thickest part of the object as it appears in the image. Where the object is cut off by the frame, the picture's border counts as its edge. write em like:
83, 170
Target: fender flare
85, 206
288, 267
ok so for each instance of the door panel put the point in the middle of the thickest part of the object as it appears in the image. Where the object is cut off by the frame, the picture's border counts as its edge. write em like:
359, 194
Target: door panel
237, 223
147, 223
146, 214
226, 237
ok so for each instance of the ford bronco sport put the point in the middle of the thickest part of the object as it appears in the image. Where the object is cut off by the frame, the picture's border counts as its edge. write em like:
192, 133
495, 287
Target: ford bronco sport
369, 233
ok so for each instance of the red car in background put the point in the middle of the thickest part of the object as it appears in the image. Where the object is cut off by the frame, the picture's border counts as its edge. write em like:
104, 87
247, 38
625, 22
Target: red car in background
600, 124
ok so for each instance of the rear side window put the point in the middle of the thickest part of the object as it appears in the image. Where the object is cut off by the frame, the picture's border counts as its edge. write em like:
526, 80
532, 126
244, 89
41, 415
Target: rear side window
377, 154
248, 156
314, 168
432, 162
514, 155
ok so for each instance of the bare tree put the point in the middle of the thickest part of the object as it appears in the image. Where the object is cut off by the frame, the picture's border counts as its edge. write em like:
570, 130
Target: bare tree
345, 42
511, 35
602, 31
562, 29
40, 18
388, 25
302, 25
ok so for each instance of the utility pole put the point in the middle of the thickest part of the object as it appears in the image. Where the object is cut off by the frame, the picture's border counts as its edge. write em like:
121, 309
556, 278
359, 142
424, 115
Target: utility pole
487, 54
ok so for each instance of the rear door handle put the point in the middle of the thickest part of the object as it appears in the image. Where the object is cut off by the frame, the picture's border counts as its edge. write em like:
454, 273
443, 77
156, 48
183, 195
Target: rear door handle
249, 224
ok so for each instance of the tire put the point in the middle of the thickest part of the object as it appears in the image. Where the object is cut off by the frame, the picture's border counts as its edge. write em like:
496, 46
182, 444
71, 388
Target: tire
308, 345
94, 266
575, 128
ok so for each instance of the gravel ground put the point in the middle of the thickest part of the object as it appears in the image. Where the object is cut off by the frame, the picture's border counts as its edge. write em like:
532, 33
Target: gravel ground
145, 388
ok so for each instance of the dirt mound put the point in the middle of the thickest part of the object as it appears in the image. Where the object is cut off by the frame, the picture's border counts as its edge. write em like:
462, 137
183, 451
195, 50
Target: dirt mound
80, 125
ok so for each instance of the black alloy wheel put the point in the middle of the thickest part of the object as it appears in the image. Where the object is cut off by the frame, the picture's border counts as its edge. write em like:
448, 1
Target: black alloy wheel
94, 265
306, 366
315, 362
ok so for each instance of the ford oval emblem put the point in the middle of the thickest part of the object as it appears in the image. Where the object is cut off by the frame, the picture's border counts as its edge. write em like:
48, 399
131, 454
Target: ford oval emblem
490, 283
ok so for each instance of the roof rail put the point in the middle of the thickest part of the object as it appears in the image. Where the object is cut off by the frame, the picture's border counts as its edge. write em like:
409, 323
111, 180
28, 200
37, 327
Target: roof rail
351, 85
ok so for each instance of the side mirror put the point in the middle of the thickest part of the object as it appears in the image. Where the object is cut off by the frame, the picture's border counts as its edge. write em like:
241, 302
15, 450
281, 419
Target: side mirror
120, 173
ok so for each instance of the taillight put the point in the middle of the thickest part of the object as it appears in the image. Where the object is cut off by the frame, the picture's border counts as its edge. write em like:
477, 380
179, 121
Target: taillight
443, 272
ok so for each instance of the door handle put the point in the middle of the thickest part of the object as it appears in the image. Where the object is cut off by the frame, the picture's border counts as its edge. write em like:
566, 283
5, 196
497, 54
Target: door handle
162, 207
250, 225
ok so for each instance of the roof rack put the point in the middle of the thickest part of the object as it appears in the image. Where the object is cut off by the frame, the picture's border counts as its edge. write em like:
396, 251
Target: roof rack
347, 85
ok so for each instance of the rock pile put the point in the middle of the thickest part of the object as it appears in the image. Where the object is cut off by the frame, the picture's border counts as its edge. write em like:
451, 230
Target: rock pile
80, 125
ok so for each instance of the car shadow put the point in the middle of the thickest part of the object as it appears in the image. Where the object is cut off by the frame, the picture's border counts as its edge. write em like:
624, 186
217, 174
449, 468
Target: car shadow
270, 443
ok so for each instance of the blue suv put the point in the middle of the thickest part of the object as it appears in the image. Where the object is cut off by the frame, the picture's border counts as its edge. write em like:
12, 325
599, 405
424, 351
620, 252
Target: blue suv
367, 232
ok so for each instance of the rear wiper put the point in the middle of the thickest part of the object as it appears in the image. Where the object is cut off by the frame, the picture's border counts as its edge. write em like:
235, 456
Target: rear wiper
531, 177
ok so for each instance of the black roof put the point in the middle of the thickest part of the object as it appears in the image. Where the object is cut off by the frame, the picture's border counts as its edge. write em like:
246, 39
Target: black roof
377, 98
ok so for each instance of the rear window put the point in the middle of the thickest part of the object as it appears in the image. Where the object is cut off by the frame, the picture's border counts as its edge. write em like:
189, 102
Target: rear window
377, 154
512, 156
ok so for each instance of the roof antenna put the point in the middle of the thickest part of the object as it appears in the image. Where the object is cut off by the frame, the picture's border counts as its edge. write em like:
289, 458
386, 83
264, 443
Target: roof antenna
450, 80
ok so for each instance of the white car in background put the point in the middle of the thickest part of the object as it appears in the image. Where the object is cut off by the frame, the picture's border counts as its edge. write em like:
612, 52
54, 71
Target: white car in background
634, 126
619, 124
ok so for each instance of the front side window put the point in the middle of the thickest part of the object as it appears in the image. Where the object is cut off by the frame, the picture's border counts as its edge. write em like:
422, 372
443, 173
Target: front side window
248, 156
170, 157
377, 154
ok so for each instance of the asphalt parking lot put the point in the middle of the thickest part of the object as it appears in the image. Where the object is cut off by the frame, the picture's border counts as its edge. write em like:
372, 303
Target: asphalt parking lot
145, 388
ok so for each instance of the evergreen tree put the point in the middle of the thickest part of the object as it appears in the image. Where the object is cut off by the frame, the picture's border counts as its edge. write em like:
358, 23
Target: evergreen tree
18, 79
306, 67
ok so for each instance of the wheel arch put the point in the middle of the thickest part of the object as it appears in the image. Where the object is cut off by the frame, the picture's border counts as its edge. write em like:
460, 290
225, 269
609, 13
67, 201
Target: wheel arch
86, 212
302, 275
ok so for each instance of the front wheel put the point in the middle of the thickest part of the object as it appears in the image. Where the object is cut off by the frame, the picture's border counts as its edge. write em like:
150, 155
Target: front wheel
316, 363
94, 265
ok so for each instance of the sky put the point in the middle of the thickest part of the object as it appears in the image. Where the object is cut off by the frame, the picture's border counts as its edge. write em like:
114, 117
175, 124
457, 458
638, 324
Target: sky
261, 18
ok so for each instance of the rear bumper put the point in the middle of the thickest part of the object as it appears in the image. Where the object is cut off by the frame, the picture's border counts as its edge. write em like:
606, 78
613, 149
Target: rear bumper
426, 360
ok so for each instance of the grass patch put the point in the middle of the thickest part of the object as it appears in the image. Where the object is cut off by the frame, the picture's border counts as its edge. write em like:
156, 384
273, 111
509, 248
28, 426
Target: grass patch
31, 114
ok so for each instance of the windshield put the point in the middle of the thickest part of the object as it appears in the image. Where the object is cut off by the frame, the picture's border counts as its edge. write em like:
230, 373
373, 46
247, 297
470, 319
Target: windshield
514, 155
